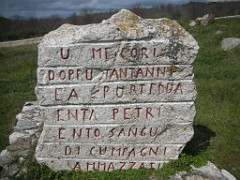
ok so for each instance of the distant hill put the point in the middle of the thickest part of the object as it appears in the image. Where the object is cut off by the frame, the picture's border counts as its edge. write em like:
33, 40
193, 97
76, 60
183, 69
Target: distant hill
18, 17
21, 27
4, 22
4, 25
219, 9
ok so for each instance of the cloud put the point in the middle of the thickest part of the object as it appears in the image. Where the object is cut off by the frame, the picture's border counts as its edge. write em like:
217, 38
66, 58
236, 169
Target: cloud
43, 8
221, 0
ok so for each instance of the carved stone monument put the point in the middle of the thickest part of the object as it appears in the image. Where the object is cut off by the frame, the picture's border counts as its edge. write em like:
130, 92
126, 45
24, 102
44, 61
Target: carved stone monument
115, 95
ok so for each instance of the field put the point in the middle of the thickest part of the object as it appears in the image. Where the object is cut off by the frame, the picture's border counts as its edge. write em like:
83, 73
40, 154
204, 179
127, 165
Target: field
217, 122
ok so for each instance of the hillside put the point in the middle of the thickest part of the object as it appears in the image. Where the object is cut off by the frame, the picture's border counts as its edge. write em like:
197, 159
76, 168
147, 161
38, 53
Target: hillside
19, 28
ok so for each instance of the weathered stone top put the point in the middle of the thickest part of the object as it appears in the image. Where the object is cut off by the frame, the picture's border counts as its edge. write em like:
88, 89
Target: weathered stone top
124, 25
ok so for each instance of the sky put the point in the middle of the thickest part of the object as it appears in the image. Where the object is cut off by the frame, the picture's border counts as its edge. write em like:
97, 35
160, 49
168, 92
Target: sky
63, 8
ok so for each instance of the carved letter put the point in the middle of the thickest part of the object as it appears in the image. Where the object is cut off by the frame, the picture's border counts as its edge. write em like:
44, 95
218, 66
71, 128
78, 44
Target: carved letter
70, 73
58, 115
148, 112
111, 167
122, 55
77, 166
142, 153
60, 133
93, 53
144, 50
122, 165
62, 75
134, 53
179, 88
119, 95
132, 164
112, 133
51, 75
67, 56
105, 90
115, 111
102, 150
68, 150
96, 132
89, 164
107, 54
91, 151
90, 76
70, 114
125, 113
169, 87
73, 94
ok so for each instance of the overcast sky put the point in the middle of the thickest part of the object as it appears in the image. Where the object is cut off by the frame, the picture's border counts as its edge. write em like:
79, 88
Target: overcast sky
45, 8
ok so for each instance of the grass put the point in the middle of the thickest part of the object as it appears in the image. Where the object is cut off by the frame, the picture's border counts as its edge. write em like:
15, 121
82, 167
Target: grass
217, 122
17, 83
218, 101
183, 163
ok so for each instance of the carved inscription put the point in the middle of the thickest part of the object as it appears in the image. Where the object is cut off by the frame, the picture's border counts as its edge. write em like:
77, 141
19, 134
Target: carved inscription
73, 75
120, 114
142, 91
115, 101
138, 124
115, 54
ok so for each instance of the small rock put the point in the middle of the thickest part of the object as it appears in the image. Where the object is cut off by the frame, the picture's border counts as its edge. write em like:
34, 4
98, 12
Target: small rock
227, 175
26, 124
21, 160
229, 44
29, 106
5, 157
20, 144
188, 176
219, 33
192, 23
152, 177
210, 170
13, 170
15, 136
223, 27
205, 20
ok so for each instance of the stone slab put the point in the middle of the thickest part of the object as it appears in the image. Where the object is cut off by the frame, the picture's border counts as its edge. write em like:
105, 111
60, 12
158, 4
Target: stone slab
75, 75
126, 83
161, 51
130, 152
117, 92
143, 133
99, 165
167, 113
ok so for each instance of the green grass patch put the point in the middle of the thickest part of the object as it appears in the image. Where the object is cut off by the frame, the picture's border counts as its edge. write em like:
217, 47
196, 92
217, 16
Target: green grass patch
218, 101
217, 122
17, 83
43, 172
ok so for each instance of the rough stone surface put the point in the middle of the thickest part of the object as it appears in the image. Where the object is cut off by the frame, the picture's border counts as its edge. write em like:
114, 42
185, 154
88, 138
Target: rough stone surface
229, 44
115, 95
228, 175
205, 20
192, 23
219, 32
208, 172
21, 140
